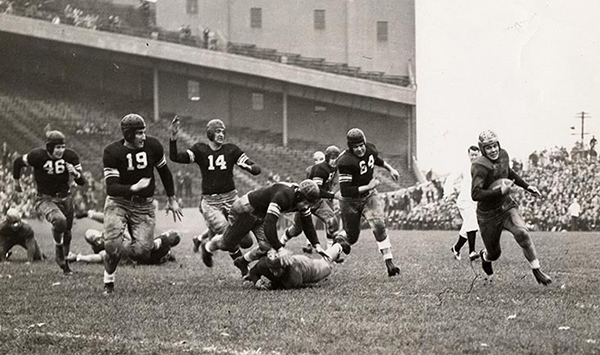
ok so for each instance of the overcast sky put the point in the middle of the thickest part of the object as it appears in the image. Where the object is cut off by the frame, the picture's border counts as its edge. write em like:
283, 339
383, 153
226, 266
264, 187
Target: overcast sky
521, 68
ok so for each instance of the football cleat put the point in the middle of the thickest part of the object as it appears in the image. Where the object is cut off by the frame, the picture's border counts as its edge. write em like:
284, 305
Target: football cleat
196, 242
66, 269
473, 256
109, 288
392, 269
456, 253
206, 255
8, 254
541, 277
486, 265
343, 242
241, 263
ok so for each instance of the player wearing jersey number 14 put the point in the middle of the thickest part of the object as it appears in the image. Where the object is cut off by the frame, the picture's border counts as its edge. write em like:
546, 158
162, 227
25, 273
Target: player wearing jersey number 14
216, 160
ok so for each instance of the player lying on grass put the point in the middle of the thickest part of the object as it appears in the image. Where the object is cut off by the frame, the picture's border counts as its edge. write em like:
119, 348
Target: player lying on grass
270, 272
13, 231
95, 239
497, 210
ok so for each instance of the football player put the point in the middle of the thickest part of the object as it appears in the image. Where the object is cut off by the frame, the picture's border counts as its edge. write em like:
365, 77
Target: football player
358, 186
323, 175
496, 209
301, 271
13, 231
129, 166
53, 168
466, 207
216, 161
258, 211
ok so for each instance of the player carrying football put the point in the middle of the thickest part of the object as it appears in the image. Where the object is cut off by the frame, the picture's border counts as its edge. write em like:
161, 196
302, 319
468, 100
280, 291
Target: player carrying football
129, 173
216, 161
53, 168
496, 209
357, 184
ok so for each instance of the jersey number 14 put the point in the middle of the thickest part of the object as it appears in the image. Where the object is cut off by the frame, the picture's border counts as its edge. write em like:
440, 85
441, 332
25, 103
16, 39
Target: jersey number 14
220, 162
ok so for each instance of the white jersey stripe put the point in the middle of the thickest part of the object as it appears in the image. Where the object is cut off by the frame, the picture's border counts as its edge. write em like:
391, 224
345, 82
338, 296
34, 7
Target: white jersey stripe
191, 155
162, 162
274, 209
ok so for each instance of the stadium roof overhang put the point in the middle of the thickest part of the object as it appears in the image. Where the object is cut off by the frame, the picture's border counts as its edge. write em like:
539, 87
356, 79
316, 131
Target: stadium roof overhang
217, 66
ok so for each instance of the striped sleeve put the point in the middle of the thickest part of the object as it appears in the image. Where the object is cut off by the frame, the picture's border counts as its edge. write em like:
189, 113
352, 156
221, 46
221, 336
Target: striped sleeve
162, 162
274, 209
345, 178
191, 154
243, 159
111, 173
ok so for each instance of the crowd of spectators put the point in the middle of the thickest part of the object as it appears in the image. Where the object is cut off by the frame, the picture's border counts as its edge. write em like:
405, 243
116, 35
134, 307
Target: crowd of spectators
561, 176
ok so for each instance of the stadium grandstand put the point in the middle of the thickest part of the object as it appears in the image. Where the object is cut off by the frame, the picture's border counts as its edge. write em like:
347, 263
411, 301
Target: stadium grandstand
79, 66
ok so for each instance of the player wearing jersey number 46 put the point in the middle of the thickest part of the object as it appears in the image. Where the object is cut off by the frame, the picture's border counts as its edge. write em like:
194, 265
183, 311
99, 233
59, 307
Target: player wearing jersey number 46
216, 161
53, 168
359, 197
496, 208
129, 166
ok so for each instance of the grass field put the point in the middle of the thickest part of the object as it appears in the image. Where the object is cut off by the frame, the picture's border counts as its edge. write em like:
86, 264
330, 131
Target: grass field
435, 306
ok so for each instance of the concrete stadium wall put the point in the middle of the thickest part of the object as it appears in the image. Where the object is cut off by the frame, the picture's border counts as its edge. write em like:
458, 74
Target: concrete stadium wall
350, 34
233, 104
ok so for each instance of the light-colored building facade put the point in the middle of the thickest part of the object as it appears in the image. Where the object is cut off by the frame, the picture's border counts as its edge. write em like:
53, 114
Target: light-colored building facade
375, 35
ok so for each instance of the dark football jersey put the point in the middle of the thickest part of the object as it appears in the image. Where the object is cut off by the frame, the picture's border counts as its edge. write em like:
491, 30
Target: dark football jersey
323, 174
276, 199
51, 174
130, 165
485, 171
216, 166
357, 171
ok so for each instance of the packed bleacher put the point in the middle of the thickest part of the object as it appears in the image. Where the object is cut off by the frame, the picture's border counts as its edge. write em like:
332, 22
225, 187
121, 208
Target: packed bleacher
140, 22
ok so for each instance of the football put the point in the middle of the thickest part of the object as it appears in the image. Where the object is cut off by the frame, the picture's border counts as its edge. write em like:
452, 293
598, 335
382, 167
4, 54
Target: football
503, 181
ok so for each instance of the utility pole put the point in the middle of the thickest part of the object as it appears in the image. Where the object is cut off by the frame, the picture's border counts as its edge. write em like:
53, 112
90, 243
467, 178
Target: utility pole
583, 116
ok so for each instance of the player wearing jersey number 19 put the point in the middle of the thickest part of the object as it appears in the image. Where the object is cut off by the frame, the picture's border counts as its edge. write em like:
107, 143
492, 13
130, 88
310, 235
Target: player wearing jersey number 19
53, 168
215, 161
129, 166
